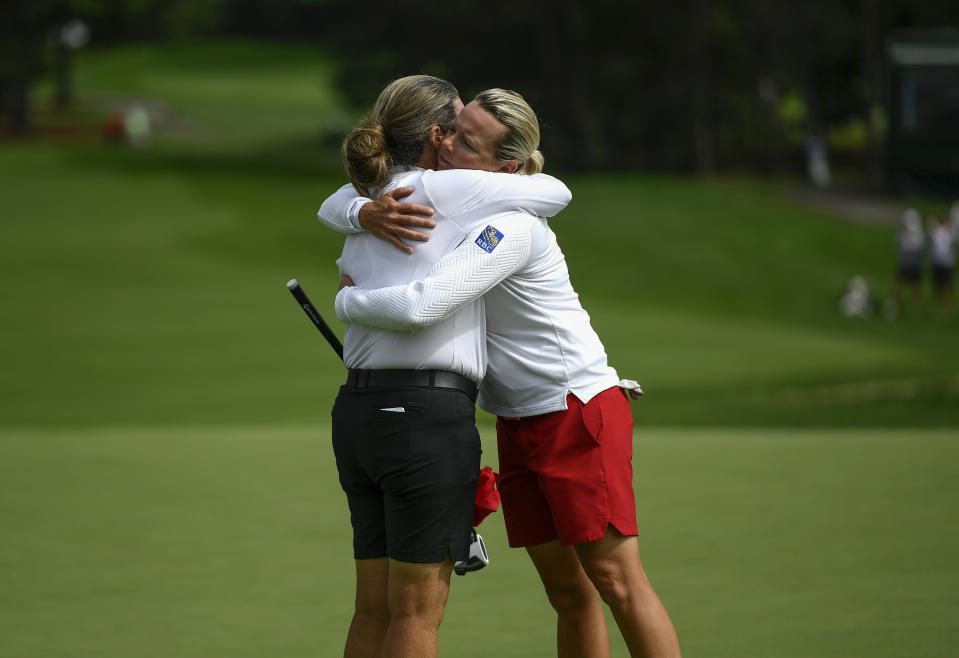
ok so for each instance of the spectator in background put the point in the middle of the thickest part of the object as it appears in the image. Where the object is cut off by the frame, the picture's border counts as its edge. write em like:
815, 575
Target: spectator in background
942, 254
856, 300
136, 125
131, 125
910, 245
817, 161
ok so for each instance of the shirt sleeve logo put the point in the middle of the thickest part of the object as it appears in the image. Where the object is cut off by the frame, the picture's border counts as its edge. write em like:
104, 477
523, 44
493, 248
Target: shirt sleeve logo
488, 239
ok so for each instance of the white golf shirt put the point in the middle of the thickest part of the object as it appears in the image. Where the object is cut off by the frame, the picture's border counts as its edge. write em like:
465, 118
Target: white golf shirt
462, 200
540, 342
942, 249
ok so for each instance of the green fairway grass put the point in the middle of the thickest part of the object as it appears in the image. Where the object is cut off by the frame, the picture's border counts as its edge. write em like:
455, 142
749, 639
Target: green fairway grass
215, 541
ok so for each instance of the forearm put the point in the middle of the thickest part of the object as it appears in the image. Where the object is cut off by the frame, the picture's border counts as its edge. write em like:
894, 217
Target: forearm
457, 192
340, 211
462, 276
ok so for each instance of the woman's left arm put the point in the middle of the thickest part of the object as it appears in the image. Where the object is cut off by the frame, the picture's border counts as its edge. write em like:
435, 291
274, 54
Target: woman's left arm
387, 218
341, 210
459, 192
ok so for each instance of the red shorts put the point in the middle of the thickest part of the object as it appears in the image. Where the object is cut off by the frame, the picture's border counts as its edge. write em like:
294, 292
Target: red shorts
568, 474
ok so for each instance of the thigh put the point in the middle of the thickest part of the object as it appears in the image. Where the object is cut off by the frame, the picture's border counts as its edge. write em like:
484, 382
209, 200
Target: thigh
428, 470
372, 586
415, 588
585, 468
363, 495
614, 556
408, 460
559, 567
526, 512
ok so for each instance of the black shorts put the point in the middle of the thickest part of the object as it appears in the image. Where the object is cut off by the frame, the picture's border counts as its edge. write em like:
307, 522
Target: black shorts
942, 276
910, 273
408, 460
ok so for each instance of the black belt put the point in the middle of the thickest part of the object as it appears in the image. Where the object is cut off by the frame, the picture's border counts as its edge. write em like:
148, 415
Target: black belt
401, 378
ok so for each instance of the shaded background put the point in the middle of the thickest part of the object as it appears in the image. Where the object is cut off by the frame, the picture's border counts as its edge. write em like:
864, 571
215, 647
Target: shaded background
697, 85
166, 486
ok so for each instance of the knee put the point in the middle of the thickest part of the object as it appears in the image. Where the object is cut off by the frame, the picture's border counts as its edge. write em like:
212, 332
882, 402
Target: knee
571, 594
421, 610
611, 587
425, 619
372, 616
614, 587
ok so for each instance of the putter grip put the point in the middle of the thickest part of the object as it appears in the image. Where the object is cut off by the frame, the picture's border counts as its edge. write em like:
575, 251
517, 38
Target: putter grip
315, 317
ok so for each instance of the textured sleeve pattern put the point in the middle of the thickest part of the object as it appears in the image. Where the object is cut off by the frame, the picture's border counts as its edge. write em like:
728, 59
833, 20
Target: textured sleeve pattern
465, 274
341, 211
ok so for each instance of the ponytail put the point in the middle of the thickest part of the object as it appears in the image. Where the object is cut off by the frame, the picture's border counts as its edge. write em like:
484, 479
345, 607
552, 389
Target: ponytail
534, 165
366, 156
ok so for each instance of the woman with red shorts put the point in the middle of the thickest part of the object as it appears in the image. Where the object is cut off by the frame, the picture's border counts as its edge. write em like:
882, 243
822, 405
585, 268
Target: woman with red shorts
564, 424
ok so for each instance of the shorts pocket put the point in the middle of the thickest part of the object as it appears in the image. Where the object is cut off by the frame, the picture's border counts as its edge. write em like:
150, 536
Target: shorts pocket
400, 408
593, 420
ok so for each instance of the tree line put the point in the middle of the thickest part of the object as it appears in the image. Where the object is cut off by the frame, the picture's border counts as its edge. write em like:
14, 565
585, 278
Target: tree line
688, 85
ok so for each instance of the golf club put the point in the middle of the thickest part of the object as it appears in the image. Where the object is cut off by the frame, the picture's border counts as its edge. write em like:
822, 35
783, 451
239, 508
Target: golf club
294, 287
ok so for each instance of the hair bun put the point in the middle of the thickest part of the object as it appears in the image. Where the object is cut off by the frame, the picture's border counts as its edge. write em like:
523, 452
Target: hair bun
535, 163
366, 156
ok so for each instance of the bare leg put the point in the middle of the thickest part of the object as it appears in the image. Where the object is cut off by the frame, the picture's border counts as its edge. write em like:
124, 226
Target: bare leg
581, 625
372, 616
417, 599
613, 565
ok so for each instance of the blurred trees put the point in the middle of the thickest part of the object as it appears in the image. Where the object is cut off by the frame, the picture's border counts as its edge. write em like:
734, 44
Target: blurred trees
691, 85
687, 85
36, 36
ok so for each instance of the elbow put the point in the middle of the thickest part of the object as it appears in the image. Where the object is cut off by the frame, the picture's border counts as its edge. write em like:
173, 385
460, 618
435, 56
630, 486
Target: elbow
417, 322
559, 202
410, 319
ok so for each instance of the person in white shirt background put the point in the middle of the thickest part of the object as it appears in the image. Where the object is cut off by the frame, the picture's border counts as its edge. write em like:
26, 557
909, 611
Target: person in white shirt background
942, 257
404, 436
910, 247
565, 427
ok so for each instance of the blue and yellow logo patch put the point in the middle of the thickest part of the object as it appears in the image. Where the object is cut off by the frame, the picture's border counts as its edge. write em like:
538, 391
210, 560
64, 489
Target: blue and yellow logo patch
488, 239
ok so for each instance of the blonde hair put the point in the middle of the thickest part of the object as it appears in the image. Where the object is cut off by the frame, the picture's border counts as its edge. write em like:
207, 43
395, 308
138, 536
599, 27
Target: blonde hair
521, 141
394, 131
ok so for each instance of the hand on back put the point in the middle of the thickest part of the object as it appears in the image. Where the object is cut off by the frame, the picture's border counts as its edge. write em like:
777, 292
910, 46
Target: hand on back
390, 219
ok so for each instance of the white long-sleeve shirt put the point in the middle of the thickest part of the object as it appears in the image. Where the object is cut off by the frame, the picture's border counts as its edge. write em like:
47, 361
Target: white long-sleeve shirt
462, 199
540, 342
